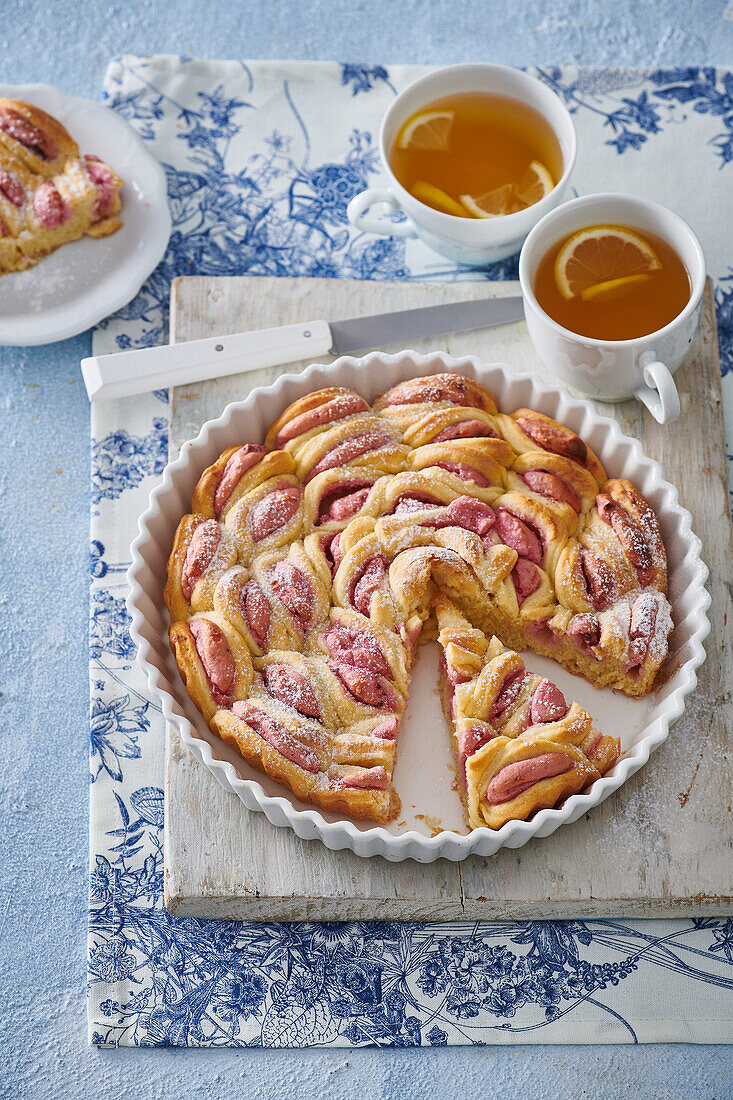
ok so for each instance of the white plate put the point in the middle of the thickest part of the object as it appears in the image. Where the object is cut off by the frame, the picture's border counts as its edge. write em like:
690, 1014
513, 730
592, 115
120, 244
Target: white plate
424, 773
83, 282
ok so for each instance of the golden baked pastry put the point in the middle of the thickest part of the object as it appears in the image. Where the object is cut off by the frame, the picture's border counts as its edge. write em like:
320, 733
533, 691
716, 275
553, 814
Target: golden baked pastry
49, 193
517, 744
312, 566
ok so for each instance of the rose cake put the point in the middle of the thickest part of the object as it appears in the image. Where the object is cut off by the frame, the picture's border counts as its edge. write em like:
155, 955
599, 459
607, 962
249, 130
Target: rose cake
313, 565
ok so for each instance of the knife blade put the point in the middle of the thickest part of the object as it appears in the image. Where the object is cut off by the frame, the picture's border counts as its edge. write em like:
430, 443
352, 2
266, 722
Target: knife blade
124, 373
381, 329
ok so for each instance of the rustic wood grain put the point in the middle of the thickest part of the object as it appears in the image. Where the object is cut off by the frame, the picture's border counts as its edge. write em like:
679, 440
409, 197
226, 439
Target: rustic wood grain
661, 846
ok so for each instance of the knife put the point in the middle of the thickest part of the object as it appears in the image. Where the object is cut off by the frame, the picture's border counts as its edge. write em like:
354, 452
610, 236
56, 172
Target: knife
124, 373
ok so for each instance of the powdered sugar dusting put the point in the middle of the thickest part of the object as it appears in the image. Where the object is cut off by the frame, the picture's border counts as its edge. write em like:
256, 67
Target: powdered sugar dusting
273, 511
294, 590
653, 539
508, 693
200, 554
349, 449
277, 735
642, 620
441, 388
631, 536
337, 408
291, 687
307, 730
413, 560
598, 579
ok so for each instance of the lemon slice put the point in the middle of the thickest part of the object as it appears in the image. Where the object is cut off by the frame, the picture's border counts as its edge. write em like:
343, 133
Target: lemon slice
613, 289
601, 254
507, 199
494, 204
428, 130
435, 196
534, 184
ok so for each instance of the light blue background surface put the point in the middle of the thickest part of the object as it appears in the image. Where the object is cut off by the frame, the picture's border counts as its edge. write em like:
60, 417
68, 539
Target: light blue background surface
43, 573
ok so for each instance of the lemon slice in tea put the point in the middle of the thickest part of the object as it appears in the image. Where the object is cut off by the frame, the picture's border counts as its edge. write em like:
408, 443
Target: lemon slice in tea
601, 254
534, 184
436, 197
494, 204
613, 289
428, 130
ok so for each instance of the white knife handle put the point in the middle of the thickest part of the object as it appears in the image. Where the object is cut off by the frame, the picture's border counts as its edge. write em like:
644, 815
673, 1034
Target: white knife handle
126, 372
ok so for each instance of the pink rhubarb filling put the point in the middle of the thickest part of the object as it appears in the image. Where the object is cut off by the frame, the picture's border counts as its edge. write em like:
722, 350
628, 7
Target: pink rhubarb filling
216, 658
518, 777
201, 550
237, 466
266, 727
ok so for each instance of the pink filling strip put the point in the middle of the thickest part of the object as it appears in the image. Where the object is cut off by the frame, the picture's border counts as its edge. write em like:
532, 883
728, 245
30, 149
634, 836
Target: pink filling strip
518, 777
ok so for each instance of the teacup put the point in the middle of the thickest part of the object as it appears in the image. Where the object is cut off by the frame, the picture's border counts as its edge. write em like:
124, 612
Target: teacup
472, 241
611, 370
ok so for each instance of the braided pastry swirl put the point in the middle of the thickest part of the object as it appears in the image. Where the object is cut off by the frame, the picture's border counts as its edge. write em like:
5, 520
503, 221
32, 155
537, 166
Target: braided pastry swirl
49, 193
311, 568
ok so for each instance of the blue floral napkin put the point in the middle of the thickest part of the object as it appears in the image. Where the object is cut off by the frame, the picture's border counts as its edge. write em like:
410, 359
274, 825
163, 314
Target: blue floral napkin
262, 160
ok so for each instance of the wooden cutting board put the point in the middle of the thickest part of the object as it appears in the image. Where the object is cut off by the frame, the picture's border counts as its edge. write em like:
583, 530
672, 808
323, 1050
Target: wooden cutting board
660, 846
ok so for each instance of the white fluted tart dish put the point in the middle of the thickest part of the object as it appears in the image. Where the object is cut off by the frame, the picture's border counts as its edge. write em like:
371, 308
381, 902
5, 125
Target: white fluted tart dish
331, 532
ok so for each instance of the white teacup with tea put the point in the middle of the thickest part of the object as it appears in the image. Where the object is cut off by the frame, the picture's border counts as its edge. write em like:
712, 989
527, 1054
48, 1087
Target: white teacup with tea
612, 287
475, 155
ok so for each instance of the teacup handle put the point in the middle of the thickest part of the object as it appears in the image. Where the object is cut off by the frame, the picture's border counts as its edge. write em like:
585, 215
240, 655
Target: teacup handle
361, 202
660, 392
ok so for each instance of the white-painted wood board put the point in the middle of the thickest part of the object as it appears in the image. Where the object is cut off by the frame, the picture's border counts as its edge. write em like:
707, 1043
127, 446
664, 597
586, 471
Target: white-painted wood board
661, 846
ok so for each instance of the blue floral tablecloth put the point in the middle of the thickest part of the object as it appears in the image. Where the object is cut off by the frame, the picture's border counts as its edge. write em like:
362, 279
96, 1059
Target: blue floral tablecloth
262, 160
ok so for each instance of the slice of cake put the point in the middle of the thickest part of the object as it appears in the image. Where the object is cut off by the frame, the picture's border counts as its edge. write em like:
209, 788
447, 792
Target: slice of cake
37, 139
49, 195
518, 746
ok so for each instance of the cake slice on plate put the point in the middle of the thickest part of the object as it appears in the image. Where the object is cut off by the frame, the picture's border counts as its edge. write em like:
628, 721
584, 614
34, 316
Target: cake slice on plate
49, 193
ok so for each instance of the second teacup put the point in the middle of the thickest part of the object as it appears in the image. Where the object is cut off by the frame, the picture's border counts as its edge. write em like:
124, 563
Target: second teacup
609, 369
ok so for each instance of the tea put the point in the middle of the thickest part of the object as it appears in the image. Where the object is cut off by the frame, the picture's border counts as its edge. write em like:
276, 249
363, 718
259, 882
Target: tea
612, 282
477, 155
